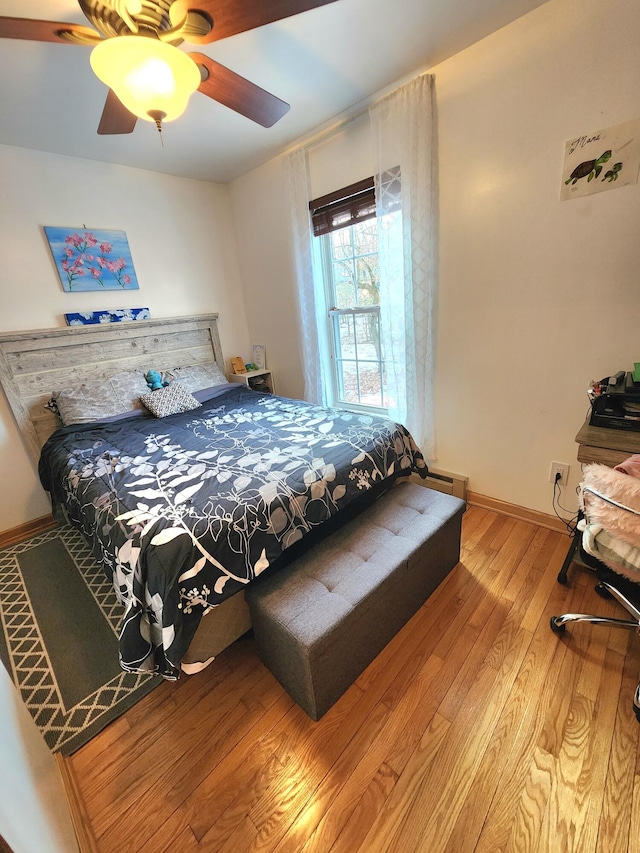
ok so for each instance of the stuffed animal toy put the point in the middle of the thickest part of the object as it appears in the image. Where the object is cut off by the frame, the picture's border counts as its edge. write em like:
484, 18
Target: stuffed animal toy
154, 380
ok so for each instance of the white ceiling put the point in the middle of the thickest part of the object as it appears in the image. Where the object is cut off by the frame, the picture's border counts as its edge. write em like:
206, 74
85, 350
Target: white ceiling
322, 62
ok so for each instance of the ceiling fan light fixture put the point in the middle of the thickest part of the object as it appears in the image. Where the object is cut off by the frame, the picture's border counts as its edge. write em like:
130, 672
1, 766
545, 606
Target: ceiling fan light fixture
148, 76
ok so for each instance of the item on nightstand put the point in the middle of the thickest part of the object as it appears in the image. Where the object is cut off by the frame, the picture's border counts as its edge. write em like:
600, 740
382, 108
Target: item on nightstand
259, 383
618, 404
259, 356
238, 365
155, 380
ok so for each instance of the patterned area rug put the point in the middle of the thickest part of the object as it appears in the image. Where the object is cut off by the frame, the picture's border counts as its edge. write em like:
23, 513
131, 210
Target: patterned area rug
59, 623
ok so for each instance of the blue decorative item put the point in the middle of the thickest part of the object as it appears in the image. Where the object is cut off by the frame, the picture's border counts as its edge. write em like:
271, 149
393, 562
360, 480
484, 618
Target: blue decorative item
155, 380
88, 318
91, 260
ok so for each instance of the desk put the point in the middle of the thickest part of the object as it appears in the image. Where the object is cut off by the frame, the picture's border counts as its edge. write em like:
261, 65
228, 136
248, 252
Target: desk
606, 446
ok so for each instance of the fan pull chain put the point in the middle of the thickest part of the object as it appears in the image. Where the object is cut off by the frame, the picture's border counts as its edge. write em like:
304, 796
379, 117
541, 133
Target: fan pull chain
157, 116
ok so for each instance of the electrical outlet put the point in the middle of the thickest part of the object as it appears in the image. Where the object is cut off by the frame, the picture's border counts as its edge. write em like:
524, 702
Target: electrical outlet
559, 468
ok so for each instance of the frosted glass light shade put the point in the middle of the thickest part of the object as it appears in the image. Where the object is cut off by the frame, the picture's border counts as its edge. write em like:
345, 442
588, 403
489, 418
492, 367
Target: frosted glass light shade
147, 75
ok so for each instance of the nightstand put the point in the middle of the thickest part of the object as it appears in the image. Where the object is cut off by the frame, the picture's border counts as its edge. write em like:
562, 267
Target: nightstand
605, 445
258, 380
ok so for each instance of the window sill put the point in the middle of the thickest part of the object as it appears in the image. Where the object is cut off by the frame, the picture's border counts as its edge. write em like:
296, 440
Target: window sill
360, 409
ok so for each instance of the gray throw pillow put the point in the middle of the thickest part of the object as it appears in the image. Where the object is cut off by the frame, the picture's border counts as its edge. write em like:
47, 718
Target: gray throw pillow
170, 400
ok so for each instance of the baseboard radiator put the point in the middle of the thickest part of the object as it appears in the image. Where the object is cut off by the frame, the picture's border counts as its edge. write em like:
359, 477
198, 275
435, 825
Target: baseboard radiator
445, 481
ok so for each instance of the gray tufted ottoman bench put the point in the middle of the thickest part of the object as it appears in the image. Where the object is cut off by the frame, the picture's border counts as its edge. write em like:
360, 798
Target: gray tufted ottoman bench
319, 622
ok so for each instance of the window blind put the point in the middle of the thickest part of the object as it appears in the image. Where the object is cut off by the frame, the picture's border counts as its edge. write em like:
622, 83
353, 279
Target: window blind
344, 207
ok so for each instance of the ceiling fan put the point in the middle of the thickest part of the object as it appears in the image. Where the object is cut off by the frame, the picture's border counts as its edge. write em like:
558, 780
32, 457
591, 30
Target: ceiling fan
135, 52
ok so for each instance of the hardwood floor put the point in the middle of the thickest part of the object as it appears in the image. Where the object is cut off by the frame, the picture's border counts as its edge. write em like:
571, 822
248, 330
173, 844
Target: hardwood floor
476, 729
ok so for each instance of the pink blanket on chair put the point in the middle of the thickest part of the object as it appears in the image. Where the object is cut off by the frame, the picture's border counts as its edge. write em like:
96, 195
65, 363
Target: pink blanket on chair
612, 500
630, 466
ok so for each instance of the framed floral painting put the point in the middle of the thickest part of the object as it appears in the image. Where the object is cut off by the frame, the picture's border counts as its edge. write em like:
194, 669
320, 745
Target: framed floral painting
89, 259
119, 315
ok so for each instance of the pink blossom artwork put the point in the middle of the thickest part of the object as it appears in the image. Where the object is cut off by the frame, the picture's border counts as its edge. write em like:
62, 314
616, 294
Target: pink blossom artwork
91, 259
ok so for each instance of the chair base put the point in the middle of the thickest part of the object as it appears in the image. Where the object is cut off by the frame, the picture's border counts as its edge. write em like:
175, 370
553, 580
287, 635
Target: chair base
558, 624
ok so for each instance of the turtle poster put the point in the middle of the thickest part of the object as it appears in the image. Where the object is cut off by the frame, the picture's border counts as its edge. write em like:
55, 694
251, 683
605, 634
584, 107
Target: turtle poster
601, 160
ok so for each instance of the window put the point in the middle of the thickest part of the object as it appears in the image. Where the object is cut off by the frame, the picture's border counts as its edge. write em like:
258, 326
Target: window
345, 223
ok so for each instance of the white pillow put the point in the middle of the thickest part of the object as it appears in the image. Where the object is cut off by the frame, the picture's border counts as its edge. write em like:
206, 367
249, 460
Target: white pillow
195, 377
101, 398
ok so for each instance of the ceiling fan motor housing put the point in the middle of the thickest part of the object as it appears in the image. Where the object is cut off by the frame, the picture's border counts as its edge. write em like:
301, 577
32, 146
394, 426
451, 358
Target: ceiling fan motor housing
153, 18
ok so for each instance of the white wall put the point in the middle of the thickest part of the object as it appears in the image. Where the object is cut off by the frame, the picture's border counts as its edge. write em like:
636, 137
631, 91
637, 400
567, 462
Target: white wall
537, 296
34, 814
183, 248
264, 259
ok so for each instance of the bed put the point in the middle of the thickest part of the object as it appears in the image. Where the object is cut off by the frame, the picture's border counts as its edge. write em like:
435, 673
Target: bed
185, 510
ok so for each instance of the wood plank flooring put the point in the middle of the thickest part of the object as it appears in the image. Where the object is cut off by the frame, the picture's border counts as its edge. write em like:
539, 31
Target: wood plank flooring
476, 730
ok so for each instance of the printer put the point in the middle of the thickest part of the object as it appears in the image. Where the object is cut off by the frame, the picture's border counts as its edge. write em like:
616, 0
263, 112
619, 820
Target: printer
618, 404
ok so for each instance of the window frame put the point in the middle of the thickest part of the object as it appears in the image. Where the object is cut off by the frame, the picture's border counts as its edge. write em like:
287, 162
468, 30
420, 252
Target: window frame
332, 314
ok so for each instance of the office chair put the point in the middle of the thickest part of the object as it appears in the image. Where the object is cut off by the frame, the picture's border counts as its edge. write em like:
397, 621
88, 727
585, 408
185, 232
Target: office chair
606, 529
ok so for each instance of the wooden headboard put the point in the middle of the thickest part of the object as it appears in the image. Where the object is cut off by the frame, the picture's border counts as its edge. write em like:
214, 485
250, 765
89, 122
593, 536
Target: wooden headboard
35, 364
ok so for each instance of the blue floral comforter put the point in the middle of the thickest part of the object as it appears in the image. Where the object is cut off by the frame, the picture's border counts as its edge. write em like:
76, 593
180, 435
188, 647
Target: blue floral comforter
186, 510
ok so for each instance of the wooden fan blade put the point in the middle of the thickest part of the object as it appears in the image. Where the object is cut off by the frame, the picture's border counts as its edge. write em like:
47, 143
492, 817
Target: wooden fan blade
28, 28
239, 94
230, 17
116, 118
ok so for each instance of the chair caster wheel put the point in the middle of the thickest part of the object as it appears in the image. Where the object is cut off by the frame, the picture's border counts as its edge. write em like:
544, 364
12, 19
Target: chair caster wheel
562, 578
557, 627
602, 591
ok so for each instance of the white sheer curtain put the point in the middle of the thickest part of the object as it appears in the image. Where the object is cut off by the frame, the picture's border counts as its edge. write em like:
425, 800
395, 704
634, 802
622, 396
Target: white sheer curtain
403, 135
314, 344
